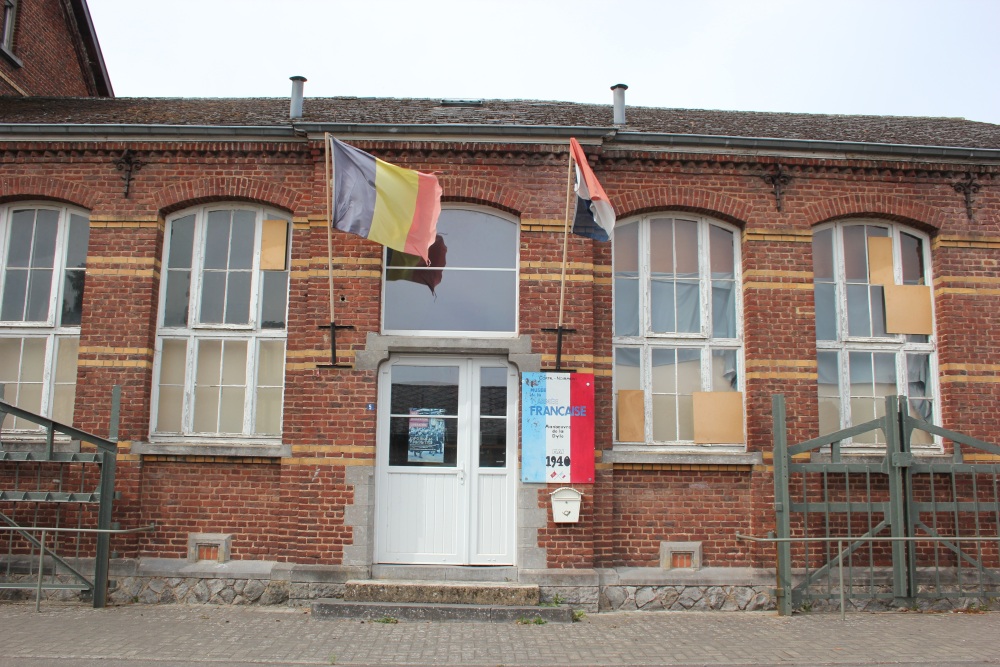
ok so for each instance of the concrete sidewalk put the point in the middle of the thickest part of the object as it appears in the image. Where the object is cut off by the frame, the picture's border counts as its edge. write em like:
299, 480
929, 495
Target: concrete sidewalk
170, 635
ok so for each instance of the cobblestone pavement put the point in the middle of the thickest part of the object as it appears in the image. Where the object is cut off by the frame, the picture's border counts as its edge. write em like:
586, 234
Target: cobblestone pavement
175, 635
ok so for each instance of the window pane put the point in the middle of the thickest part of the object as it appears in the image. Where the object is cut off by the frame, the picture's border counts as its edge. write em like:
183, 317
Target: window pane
878, 310
664, 371
271, 364
858, 322
686, 247
826, 311
493, 392
63, 399
170, 409
688, 307
724, 309
662, 306
862, 377
661, 247
66, 359
721, 247
627, 369
72, 305
458, 305
213, 296
76, 250
685, 417
181, 243
664, 418
175, 310
217, 240
206, 409
885, 373
725, 375
423, 441
476, 239
912, 253
822, 248
855, 254
231, 410
242, 240
268, 411
209, 362
627, 307
918, 375
829, 392
238, 298
10, 362
33, 360
39, 291
43, 253
234, 363
274, 299
173, 362
15, 290
22, 231
626, 245
434, 387
492, 443
688, 371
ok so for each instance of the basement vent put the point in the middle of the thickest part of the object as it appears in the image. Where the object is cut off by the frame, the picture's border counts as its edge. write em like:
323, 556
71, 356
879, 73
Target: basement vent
211, 547
461, 103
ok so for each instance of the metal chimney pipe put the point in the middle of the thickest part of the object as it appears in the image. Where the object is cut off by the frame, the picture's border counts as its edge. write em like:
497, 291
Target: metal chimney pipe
619, 91
297, 86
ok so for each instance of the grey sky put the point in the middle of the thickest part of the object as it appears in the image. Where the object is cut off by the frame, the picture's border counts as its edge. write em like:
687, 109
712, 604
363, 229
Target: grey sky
887, 57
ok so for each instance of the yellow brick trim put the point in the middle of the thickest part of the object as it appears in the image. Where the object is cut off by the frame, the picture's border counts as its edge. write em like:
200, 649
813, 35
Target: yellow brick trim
319, 461
783, 235
337, 273
781, 375
580, 266
86, 349
128, 457
771, 363
764, 273
976, 368
194, 458
970, 379
97, 363
340, 449
955, 241
604, 281
602, 372
579, 358
776, 285
304, 354
556, 277
136, 273
138, 261
734, 467
980, 458
967, 290
985, 280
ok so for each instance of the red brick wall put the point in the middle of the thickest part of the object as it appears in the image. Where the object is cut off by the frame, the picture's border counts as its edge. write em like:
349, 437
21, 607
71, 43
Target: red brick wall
292, 509
46, 42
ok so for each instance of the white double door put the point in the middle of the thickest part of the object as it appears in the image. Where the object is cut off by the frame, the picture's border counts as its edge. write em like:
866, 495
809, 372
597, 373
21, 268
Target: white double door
447, 459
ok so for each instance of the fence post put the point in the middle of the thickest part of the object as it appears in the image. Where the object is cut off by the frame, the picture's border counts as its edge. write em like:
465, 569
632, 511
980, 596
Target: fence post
108, 464
896, 465
781, 505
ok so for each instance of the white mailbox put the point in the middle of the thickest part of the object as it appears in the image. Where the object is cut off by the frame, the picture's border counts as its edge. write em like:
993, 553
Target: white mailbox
566, 505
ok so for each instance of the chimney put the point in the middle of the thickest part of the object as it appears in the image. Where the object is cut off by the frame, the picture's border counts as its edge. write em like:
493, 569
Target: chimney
619, 90
296, 109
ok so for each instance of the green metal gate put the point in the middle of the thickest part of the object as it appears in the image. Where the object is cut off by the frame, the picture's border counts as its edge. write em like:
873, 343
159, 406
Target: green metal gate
898, 527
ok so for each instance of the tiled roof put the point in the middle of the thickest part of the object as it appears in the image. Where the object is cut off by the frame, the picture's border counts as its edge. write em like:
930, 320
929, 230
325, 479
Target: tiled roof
950, 132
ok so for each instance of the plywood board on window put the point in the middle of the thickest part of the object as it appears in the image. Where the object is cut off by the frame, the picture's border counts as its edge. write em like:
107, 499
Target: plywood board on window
880, 260
273, 250
908, 309
631, 416
718, 417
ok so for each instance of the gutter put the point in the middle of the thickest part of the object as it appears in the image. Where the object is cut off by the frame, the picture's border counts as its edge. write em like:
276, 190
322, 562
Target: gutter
607, 135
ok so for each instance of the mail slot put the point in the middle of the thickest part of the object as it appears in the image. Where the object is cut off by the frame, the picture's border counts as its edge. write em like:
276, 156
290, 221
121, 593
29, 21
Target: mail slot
566, 505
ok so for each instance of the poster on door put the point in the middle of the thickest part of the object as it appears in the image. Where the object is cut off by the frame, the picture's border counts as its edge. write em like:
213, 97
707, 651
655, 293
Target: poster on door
426, 441
557, 427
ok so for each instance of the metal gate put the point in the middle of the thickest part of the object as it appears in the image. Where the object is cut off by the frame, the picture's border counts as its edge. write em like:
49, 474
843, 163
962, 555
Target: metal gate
896, 526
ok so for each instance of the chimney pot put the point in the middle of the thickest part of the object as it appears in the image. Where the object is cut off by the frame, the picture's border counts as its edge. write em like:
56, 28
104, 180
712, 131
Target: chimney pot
296, 106
619, 91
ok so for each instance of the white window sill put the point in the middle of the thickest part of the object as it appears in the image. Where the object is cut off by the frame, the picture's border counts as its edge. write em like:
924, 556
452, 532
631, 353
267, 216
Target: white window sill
234, 449
659, 455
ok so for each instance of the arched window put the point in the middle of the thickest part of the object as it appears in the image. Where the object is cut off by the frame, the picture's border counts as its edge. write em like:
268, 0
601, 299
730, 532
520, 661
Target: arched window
678, 330
220, 350
874, 324
470, 288
43, 253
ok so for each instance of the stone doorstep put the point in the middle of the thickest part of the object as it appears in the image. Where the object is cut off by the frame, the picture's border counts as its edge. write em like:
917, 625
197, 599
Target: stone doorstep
393, 611
442, 592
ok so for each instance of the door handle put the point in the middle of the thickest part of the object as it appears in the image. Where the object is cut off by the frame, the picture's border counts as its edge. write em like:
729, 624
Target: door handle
461, 477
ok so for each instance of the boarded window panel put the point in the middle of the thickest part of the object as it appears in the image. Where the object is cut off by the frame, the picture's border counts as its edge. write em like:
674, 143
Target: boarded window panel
273, 245
880, 261
631, 416
908, 309
718, 417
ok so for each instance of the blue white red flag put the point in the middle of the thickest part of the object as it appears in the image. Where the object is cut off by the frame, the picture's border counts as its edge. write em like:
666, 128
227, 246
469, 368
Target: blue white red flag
595, 217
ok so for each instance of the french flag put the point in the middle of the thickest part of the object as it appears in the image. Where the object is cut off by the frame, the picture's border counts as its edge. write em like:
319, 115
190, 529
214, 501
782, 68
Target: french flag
595, 217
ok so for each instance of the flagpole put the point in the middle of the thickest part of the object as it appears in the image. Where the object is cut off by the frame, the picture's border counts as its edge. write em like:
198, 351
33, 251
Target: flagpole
330, 191
565, 253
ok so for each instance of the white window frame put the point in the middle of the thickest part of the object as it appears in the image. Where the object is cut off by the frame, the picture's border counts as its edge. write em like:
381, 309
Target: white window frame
895, 344
51, 328
196, 332
647, 340
516, 270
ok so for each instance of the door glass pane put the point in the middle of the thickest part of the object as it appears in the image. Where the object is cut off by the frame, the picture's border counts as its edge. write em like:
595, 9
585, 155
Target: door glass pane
420, 387
493, 392
423, 440
492, 443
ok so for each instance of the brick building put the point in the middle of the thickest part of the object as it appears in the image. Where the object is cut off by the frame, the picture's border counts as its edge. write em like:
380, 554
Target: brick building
137, 248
